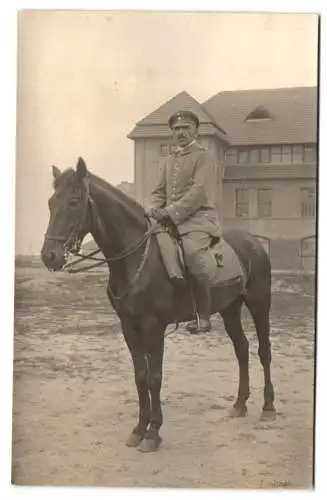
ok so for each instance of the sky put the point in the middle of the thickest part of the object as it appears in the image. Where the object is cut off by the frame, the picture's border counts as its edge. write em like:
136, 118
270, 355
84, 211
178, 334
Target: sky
85, 79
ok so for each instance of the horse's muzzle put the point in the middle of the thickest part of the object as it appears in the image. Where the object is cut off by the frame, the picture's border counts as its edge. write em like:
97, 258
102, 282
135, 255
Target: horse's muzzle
54, 260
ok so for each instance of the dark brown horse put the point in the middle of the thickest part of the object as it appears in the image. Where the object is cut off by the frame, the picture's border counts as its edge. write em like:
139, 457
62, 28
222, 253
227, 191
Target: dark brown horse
144, 298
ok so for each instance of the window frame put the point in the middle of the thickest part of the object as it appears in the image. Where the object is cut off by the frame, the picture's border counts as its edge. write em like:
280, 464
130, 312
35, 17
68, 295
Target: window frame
307, 252
263, 203
230, 154
308, 208
239, 213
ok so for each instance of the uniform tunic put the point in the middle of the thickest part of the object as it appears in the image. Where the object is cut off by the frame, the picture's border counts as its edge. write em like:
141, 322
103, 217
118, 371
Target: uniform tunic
186, 188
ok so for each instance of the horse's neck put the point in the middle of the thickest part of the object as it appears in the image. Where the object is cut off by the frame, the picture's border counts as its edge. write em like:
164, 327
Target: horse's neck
115, 227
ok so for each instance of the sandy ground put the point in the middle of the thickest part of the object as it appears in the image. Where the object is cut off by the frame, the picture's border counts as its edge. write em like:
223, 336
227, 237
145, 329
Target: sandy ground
75, 402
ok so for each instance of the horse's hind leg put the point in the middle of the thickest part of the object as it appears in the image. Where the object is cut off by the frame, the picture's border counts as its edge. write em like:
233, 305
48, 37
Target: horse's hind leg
259, 310
233, 325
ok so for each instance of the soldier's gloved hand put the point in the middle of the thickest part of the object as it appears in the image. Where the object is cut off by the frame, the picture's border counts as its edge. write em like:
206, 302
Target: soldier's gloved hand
149, 212
161, 215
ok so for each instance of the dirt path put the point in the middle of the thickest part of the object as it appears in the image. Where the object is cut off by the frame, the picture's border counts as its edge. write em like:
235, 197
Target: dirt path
75, 401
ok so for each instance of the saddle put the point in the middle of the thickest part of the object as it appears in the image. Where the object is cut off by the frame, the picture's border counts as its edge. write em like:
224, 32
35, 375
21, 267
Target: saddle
223, 262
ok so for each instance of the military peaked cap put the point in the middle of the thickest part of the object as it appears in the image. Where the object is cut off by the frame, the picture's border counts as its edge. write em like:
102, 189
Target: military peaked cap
183, 117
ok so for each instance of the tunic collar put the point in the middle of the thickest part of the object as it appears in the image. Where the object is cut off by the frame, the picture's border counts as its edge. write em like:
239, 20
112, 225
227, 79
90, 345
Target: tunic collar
193, 146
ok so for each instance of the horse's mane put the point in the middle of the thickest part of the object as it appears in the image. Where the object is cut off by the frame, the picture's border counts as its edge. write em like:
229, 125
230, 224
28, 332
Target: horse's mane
130, 205
134, 209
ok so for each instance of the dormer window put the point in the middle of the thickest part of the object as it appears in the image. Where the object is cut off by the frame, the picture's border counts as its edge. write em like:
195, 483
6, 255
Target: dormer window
258, 114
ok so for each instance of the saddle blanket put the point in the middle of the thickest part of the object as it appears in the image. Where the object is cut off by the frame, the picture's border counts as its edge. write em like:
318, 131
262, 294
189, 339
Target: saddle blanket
172, 257
231, 266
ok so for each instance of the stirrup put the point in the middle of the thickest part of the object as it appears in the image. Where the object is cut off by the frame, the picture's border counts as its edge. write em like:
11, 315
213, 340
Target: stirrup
192, 325
204, 326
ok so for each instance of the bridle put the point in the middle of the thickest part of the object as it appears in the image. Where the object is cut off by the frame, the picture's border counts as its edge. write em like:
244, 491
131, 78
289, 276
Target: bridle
73, 241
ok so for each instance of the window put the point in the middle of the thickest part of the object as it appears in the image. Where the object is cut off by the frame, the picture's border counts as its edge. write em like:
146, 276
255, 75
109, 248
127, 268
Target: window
308, 247
308, 252
308, 202
297, 153
276, 154
259, 113
264, 203
231, 156
265, 155
241, 202
164, 149
254, 156
287, 154
243, 156
310, 154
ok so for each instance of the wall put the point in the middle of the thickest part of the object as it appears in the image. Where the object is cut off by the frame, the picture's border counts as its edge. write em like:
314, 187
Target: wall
146, 166
218, 147
286, 228
152, 161
286, 220
139, 151
147, 162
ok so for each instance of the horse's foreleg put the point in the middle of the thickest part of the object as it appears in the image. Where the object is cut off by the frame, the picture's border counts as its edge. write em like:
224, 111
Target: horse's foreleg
155, 348
135, 345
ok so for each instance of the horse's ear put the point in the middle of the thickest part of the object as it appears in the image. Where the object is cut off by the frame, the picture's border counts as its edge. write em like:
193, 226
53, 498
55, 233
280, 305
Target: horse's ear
81, 169
55, 172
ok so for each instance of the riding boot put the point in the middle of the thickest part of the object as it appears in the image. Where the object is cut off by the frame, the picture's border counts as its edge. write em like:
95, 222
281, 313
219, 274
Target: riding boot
202, 295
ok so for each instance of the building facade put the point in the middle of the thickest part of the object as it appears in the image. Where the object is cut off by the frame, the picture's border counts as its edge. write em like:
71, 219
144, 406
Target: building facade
265, 144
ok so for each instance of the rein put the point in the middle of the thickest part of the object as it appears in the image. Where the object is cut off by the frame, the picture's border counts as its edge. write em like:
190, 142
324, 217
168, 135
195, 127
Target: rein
127, 252
75, 238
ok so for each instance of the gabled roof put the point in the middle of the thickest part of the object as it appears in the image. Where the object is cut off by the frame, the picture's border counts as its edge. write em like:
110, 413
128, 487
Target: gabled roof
155, 124
293, 110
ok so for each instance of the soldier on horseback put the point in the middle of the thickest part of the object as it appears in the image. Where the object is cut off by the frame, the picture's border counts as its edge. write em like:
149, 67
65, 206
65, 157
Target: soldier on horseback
185, 196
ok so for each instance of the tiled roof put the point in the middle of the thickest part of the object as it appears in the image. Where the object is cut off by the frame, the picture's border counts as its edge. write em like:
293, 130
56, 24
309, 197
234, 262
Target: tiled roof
294, 112
155, 124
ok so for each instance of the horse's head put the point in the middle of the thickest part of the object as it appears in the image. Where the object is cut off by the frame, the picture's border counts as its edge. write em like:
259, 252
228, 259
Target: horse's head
68, 222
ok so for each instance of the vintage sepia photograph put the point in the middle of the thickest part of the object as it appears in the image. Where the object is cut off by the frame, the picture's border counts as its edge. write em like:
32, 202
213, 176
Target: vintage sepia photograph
165, 249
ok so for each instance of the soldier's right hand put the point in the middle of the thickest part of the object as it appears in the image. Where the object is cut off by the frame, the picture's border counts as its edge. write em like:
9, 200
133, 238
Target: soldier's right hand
149, 212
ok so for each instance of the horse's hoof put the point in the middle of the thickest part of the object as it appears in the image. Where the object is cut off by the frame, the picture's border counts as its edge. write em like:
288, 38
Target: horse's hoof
268, 415
133, 440
237, 412
149, 445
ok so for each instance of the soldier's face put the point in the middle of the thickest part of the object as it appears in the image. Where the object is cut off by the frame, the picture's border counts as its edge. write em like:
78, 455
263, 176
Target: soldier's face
184, 133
